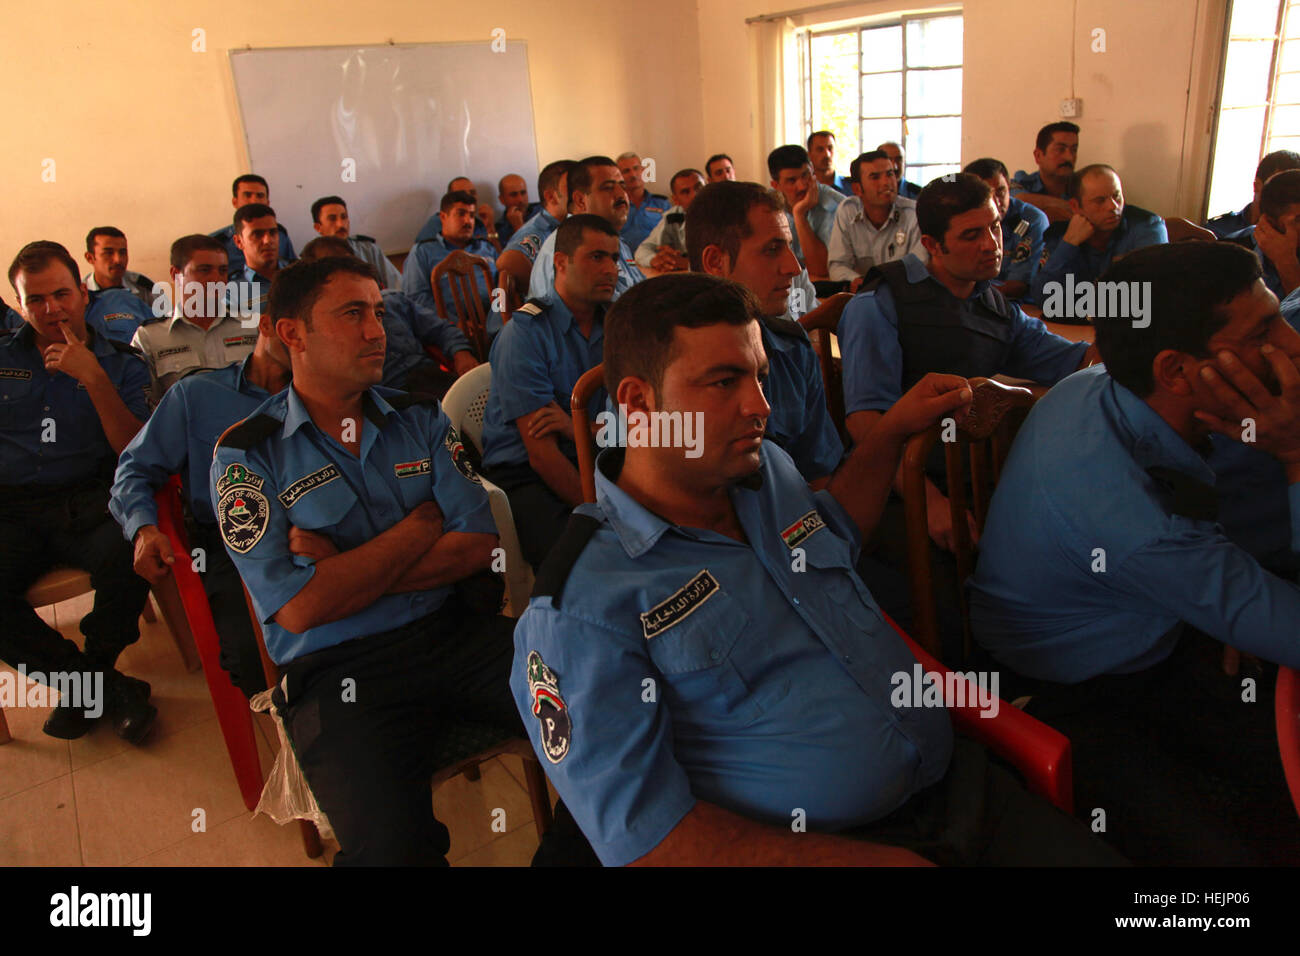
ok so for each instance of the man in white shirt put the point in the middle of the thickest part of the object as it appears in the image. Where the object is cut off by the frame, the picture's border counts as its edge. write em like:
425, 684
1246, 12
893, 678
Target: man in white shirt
875, 227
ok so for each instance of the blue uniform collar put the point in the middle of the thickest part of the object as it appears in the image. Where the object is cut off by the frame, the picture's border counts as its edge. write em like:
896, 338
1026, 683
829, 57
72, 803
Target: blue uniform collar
917, 272
250, 275
559, 315
296, 415
1155, 443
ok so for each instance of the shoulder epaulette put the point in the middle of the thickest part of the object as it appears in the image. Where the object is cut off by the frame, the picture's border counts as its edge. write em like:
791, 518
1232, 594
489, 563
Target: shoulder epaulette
675, 217
360, 238
123, 347
892, 273
554, 572
407, 399
249, 433
533, 307
778, 325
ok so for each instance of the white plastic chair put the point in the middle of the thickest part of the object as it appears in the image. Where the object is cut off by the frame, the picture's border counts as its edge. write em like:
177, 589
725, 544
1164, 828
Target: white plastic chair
464, 404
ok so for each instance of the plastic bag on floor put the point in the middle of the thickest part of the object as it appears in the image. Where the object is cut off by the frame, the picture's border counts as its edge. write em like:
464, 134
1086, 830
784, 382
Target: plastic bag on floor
286, 796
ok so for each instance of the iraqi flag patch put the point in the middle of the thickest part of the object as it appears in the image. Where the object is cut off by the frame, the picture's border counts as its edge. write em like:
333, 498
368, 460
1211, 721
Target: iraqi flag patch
409, 469
801, 529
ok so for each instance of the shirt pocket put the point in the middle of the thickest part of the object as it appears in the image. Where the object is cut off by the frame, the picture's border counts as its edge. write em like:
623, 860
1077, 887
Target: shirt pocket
833, 576
319, 501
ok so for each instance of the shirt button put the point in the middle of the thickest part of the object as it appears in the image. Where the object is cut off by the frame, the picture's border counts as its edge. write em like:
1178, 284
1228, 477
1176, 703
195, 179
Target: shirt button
715, 654
847, 659
796, 601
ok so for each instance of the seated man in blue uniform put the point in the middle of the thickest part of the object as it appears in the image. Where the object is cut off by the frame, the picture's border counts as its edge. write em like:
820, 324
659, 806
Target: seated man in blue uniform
355, 519
107, 254
521, 251
821, 152
483, 225
71, 401
595, 187
719, 167
1273, 238
1023, 227
1101, 229
179, 439
707, 679
457, 234
1105, 578
118, 314
644, 208
1056, 150
512, 193
247, 189
812, 206
329, 217
738, 231
1225, 225
255, 237
539, 356
408, 327
907, 190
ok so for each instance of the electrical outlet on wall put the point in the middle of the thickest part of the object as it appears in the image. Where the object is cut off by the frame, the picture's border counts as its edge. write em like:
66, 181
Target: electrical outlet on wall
1071, 109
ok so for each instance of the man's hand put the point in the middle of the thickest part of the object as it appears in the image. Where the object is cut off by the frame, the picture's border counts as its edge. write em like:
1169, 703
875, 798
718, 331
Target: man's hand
856, 284
668, 259
486, 217
515, 216
1079, 230
1276, 417
463, 361
938, 518
926, 403
153, 554
310, 544
801, 208
73, 358
550, 419
1280, 247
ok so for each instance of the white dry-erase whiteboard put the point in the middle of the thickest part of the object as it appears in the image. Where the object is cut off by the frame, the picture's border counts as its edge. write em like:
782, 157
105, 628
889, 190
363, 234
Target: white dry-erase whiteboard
408, 117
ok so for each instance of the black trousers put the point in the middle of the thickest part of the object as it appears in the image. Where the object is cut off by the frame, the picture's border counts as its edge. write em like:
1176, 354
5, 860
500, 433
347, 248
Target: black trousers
540, 514
979, 814
1186, 772
363, 718
239, 658
41, 528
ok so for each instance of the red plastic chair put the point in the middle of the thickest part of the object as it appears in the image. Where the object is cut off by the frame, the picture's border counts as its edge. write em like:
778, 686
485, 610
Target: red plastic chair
1286, 705
233, 714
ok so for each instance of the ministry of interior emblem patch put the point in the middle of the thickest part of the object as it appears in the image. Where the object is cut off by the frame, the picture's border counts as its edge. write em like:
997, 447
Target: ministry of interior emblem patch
242, 509
459, 456
549, 708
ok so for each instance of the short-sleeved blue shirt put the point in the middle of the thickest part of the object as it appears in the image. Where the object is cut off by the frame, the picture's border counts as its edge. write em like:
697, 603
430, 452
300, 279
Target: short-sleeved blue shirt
821, 217
1137, 229
1230, 222
799, 421
530, 236
419, 266
1023, 229
642, 218
237, 261
541, 284
691, 666
1022, 181
295, 474
408, 327
117, 313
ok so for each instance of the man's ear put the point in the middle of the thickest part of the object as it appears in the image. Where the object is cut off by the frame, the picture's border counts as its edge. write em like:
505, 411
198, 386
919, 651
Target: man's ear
319, 230
174, 272
931, 245
1074, 206
578, 202
239, 239
1176, 372
291, 332
234, 202
714, 261
636, 394
266, 324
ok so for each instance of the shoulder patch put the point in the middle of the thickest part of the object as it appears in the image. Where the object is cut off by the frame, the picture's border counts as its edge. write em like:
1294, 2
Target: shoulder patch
249, 433
532, 307
1023, 248
242, 510
549, 708
807, 525
679, 605
554, 571
459, 456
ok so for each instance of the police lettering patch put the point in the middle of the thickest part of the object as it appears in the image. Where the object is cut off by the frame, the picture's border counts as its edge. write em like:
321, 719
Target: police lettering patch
549, 709
119, 317
680, 605
242, 509
322, 476
232, 340
1022, 251
163, 353
459, 456
20, 374
801, 529
408, 469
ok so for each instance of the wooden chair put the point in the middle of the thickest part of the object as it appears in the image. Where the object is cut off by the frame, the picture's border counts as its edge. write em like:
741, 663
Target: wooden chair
583, 390
1182, 229
996, 413
821, 324
468, 313
509, 285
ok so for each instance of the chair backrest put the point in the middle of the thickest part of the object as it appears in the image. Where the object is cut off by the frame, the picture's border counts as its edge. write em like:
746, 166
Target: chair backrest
1286, 703
466, 400
468, 312
821, 324
583, 390
996, 413
1181, 229
509, 285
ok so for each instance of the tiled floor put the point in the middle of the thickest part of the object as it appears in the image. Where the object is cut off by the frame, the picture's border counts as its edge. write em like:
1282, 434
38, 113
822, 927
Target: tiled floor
99, 801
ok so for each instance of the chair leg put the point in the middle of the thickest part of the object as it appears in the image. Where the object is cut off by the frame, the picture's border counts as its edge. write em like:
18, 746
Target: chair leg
173, 611
310, 839
5, 736
538, 796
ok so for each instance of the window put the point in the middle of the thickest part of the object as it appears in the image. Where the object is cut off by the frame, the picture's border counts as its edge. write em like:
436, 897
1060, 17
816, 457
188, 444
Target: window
897, 81
1259, 99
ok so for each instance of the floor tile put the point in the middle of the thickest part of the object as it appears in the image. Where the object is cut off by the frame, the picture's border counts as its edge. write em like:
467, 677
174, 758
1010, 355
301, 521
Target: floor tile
246, 840
32, 757
468, 809
515, 848
38, 827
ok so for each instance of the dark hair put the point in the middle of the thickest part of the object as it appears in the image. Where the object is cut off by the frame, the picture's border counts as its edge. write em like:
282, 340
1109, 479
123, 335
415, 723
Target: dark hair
249, 178
1275, 162
786, 157
988, 168
323, 247
183, 249
37, 256
820, 132
719, 216
1191, 283
1045, 134
580, 176
254, 210
111, 231
549, 177
944, 198
682, 174
855, 167
1281, 190
639, 327
713, 159
568, 237
324, 201
1079, 175
296, 287
456, 197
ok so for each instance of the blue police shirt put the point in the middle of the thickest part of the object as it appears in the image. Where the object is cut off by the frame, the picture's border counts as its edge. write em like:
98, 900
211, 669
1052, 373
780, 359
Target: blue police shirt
772, 687
799, 421
300, 476
842, 184
227, 235
1032, 183
259, 290
432, 229
1023, 229
178, 439
537, 359
10, 318
1246, 237
1075, 493
541, 284
821, 217
37, 404
528, 240
1137, 229
1230, 222
873, 357
419, 265
117, 313
506, 232
908, 190
643, 217
408, 327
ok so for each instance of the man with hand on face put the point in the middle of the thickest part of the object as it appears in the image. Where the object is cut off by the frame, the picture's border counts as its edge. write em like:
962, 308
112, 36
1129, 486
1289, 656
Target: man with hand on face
256, 233
179, 439
1273, 238
512, 192
539, 356
329, 217
1023, 228
246, 190
1233, 222
812, 206
907, 190
719, 167
874, 227
725, 585
1056, 150
71, 401
354, 517
596, 187
1101, 229
821, 151
664, 250
1106, 580
107, 255
521, 251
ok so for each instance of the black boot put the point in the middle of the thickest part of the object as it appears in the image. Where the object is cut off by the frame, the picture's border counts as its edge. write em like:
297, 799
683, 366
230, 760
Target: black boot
128, 706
